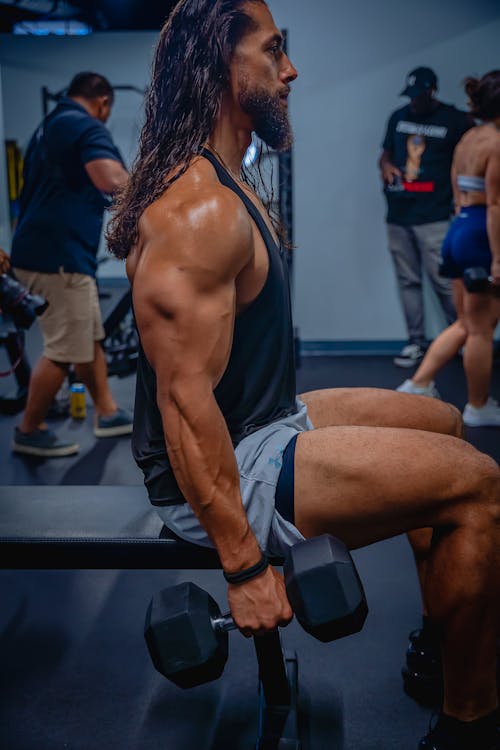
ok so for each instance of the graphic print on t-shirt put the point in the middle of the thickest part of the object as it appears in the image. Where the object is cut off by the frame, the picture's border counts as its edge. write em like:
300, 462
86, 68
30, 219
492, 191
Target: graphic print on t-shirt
414, 179
415, 147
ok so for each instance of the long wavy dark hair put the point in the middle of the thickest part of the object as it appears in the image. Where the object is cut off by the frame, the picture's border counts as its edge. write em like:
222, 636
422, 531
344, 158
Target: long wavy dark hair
484, 95
189, 76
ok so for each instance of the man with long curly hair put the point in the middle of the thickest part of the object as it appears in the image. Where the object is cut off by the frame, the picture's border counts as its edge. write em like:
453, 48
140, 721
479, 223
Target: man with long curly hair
231, 457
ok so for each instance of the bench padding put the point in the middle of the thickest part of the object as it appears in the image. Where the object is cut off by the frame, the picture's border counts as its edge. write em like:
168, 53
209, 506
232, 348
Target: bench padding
88, 526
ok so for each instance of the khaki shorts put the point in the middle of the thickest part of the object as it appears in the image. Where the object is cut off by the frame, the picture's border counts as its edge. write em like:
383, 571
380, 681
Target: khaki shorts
72, 322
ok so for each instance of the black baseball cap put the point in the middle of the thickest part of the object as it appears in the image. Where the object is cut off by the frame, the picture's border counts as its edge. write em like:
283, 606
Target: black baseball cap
418, 81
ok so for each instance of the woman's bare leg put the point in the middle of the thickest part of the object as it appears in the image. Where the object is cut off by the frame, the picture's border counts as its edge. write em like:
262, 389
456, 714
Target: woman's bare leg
446, 345
441, 351
481, 314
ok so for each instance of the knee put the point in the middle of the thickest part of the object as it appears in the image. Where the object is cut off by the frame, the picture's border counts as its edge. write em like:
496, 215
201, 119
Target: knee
487, 489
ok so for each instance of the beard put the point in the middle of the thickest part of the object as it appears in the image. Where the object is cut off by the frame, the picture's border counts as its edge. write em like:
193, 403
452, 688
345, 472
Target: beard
269, 117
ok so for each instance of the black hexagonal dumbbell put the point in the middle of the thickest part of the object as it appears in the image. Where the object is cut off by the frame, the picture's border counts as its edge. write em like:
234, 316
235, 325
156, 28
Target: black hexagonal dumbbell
324, 588
187, 636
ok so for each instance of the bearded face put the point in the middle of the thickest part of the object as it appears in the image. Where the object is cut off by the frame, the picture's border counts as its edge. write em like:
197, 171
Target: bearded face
269, 115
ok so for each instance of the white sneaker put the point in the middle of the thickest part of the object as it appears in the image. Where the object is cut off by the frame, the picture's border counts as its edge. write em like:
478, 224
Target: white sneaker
484, 416
409, 356
419, 390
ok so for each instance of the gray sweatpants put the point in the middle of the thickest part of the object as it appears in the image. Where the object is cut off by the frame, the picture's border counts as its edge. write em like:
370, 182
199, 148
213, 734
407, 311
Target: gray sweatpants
414, 249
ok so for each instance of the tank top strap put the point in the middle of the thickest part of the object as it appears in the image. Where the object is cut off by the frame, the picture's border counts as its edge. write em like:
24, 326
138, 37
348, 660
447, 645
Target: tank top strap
229, 182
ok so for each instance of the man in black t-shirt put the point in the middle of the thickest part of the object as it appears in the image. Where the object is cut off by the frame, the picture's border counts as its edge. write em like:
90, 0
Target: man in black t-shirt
415, 167
71, 168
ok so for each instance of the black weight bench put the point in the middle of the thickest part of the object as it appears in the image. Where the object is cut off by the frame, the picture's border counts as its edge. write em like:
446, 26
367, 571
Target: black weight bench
115, 527
94, 527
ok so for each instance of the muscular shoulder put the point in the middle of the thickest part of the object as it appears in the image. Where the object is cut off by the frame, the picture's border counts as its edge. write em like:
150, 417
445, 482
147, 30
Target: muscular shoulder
198, 221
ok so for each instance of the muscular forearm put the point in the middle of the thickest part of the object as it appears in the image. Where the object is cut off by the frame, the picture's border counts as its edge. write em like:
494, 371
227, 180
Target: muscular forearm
204, 464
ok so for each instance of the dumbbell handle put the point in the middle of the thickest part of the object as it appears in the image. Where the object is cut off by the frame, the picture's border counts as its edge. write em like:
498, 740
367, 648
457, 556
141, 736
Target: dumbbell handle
224, 622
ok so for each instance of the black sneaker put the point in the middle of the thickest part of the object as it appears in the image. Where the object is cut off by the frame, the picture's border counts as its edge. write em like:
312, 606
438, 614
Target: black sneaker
422, 673
439, 739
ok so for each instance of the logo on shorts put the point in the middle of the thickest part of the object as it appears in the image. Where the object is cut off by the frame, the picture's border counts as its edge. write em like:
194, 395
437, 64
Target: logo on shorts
278, 461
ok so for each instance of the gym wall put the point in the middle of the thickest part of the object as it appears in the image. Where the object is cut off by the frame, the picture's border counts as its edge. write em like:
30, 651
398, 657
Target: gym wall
352, 60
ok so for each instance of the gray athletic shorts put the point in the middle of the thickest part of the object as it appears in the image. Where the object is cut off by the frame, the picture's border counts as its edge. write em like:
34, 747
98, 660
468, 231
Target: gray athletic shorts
259, 461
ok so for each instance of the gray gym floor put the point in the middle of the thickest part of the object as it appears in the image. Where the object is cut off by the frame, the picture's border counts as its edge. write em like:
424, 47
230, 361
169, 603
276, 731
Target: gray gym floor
75, 671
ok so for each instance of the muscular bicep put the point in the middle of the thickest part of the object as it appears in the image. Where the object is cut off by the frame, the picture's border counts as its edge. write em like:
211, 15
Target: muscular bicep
186, 326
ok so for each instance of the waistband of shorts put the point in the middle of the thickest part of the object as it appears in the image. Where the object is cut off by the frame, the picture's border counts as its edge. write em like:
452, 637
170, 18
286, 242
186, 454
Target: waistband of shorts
475, 208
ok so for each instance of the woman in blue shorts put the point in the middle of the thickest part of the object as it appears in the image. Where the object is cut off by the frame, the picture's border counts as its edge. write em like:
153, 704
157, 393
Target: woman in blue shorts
473, 240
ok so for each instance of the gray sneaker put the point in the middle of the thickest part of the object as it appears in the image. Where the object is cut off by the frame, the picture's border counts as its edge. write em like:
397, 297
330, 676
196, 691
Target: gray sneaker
409, 356
119, 423
484, 416
43, 443
419, 390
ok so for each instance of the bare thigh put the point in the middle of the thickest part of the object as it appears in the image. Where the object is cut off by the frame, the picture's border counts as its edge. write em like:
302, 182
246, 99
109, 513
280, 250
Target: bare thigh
364, 484
381, 407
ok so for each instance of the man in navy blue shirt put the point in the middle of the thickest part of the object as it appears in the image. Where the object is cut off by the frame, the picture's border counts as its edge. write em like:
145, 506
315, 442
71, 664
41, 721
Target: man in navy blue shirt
71, 169
415, 167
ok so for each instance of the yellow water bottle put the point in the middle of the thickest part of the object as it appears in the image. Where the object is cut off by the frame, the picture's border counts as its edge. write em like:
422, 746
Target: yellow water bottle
77, 405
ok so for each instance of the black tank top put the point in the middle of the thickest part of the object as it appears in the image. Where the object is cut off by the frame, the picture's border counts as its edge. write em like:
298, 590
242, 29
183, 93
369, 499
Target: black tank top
258, 385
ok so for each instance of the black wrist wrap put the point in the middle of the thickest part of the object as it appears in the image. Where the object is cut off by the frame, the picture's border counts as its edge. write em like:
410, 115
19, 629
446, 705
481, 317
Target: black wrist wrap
246, 575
